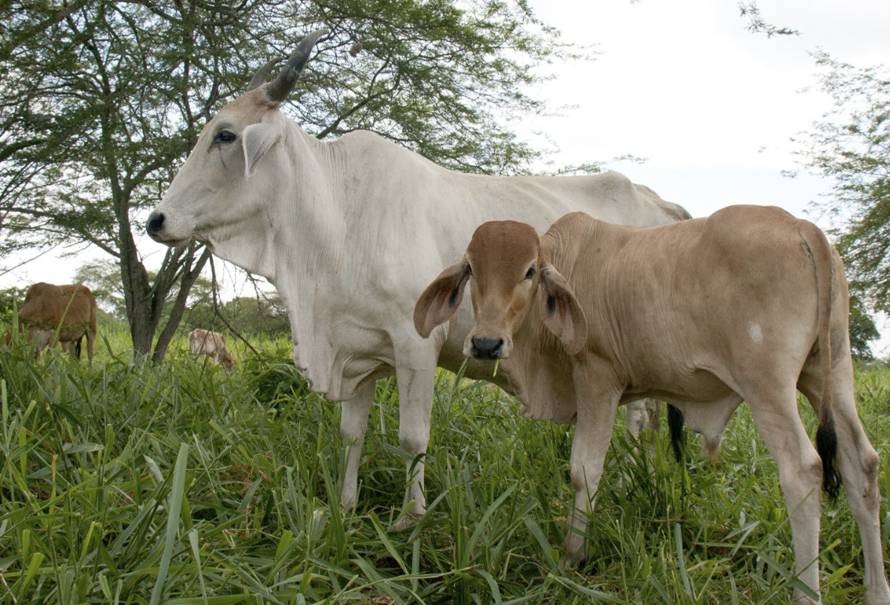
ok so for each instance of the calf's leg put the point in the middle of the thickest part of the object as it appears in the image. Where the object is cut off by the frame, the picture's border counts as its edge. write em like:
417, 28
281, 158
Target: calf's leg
800, 475
593, 431
857, 462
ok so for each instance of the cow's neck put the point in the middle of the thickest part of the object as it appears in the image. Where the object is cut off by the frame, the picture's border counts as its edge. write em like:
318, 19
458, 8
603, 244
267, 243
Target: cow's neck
249, 245
299, 229
299, 242
540, 371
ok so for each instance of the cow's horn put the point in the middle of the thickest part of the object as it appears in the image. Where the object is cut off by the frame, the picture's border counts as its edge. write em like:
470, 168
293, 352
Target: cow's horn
261, 75
278, 89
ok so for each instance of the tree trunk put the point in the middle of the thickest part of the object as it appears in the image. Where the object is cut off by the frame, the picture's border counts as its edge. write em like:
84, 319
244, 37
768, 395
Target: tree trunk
190, 273
138, 299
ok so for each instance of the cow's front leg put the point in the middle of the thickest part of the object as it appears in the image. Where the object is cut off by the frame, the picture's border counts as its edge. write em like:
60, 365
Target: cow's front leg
353, 426
415, 375
597, 404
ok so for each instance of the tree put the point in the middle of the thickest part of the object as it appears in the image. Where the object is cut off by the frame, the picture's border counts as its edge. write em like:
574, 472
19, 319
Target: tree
10, 300
756, 24
250, 315
862, 330
99, 100
103, 279
852, 146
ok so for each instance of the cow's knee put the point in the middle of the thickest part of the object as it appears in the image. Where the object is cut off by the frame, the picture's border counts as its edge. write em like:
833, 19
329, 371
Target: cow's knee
807, 473
413, 442
870, 463
414, 433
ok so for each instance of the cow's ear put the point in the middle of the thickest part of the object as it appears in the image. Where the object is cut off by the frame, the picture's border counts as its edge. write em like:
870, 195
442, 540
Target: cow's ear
256, 141
562, 314
441, 298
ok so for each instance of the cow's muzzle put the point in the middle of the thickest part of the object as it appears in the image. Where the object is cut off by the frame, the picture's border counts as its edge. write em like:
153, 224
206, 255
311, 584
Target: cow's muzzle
486, 348
154, 225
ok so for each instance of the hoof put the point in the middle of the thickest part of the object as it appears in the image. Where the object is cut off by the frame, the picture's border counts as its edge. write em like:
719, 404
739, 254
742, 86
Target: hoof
347, 503
573, 561
406, 521
574, 553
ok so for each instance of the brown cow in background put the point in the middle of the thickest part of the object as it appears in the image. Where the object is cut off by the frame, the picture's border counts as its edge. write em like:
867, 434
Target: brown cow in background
69, 310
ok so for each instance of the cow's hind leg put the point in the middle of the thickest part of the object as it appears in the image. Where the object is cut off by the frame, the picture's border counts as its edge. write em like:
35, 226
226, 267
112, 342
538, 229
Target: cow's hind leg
353, 426
643, 415
857, 462
800, 475
637, 417
91, 336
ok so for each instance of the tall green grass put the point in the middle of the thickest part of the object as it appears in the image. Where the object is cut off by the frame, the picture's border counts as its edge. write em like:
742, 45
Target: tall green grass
181, 483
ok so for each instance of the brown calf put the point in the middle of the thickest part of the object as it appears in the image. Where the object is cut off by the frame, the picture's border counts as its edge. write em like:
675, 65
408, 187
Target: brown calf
749, 303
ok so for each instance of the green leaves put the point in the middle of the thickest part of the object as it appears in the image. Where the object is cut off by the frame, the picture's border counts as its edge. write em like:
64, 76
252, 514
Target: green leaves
100, 101
120, 481
852, 147
174, 506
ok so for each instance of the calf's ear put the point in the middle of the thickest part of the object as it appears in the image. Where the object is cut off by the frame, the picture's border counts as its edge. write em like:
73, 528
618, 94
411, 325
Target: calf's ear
256, 140
441, 298
562, 314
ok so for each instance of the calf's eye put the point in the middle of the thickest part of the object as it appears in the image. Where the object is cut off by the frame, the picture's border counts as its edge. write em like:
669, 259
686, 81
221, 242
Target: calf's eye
530, 273
224, 136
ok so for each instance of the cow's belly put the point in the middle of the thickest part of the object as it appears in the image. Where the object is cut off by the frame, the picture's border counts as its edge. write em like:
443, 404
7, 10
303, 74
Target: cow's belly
68, 331
698, 385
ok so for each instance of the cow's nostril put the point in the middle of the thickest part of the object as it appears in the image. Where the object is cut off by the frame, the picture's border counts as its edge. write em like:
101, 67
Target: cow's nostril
486, 348
155, 223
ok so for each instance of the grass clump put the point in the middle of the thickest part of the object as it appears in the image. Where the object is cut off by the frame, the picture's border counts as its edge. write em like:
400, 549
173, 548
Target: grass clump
182, 483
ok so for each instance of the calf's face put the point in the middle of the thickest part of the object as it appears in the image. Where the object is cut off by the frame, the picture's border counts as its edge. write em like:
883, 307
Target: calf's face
507, 277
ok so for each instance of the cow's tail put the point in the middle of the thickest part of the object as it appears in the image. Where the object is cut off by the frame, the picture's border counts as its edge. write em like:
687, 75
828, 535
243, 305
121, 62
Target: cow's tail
826, 437
675, 427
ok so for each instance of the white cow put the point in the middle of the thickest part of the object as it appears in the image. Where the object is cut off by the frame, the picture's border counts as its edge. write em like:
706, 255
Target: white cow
213, 345
350, 231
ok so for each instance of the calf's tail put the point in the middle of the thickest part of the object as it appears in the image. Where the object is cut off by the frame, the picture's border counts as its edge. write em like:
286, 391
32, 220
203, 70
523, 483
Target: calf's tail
826, 436
678, 437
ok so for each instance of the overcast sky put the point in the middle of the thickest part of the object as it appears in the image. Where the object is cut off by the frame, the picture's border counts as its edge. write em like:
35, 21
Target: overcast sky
710, 106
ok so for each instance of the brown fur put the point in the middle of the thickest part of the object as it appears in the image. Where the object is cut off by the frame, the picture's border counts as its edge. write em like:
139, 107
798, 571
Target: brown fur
69, 310
750, 303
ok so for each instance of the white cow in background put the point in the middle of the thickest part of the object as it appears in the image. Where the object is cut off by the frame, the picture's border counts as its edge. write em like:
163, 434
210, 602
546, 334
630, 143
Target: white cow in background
213, 345
350, 231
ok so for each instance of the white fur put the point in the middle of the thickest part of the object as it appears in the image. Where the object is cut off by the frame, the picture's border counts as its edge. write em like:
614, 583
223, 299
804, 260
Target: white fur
350, 232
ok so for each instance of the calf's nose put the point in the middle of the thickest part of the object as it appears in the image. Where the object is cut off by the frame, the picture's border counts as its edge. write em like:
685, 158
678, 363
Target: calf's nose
155, 223
486, 348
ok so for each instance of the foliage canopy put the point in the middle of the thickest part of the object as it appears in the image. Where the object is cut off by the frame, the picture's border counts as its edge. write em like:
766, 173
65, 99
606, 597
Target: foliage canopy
100, 101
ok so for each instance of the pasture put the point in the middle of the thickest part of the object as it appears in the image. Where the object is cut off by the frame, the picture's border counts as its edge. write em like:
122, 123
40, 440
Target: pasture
182, 483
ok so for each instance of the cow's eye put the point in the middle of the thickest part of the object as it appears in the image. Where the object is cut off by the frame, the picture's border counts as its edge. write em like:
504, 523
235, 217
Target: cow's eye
530, 273
224, 136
